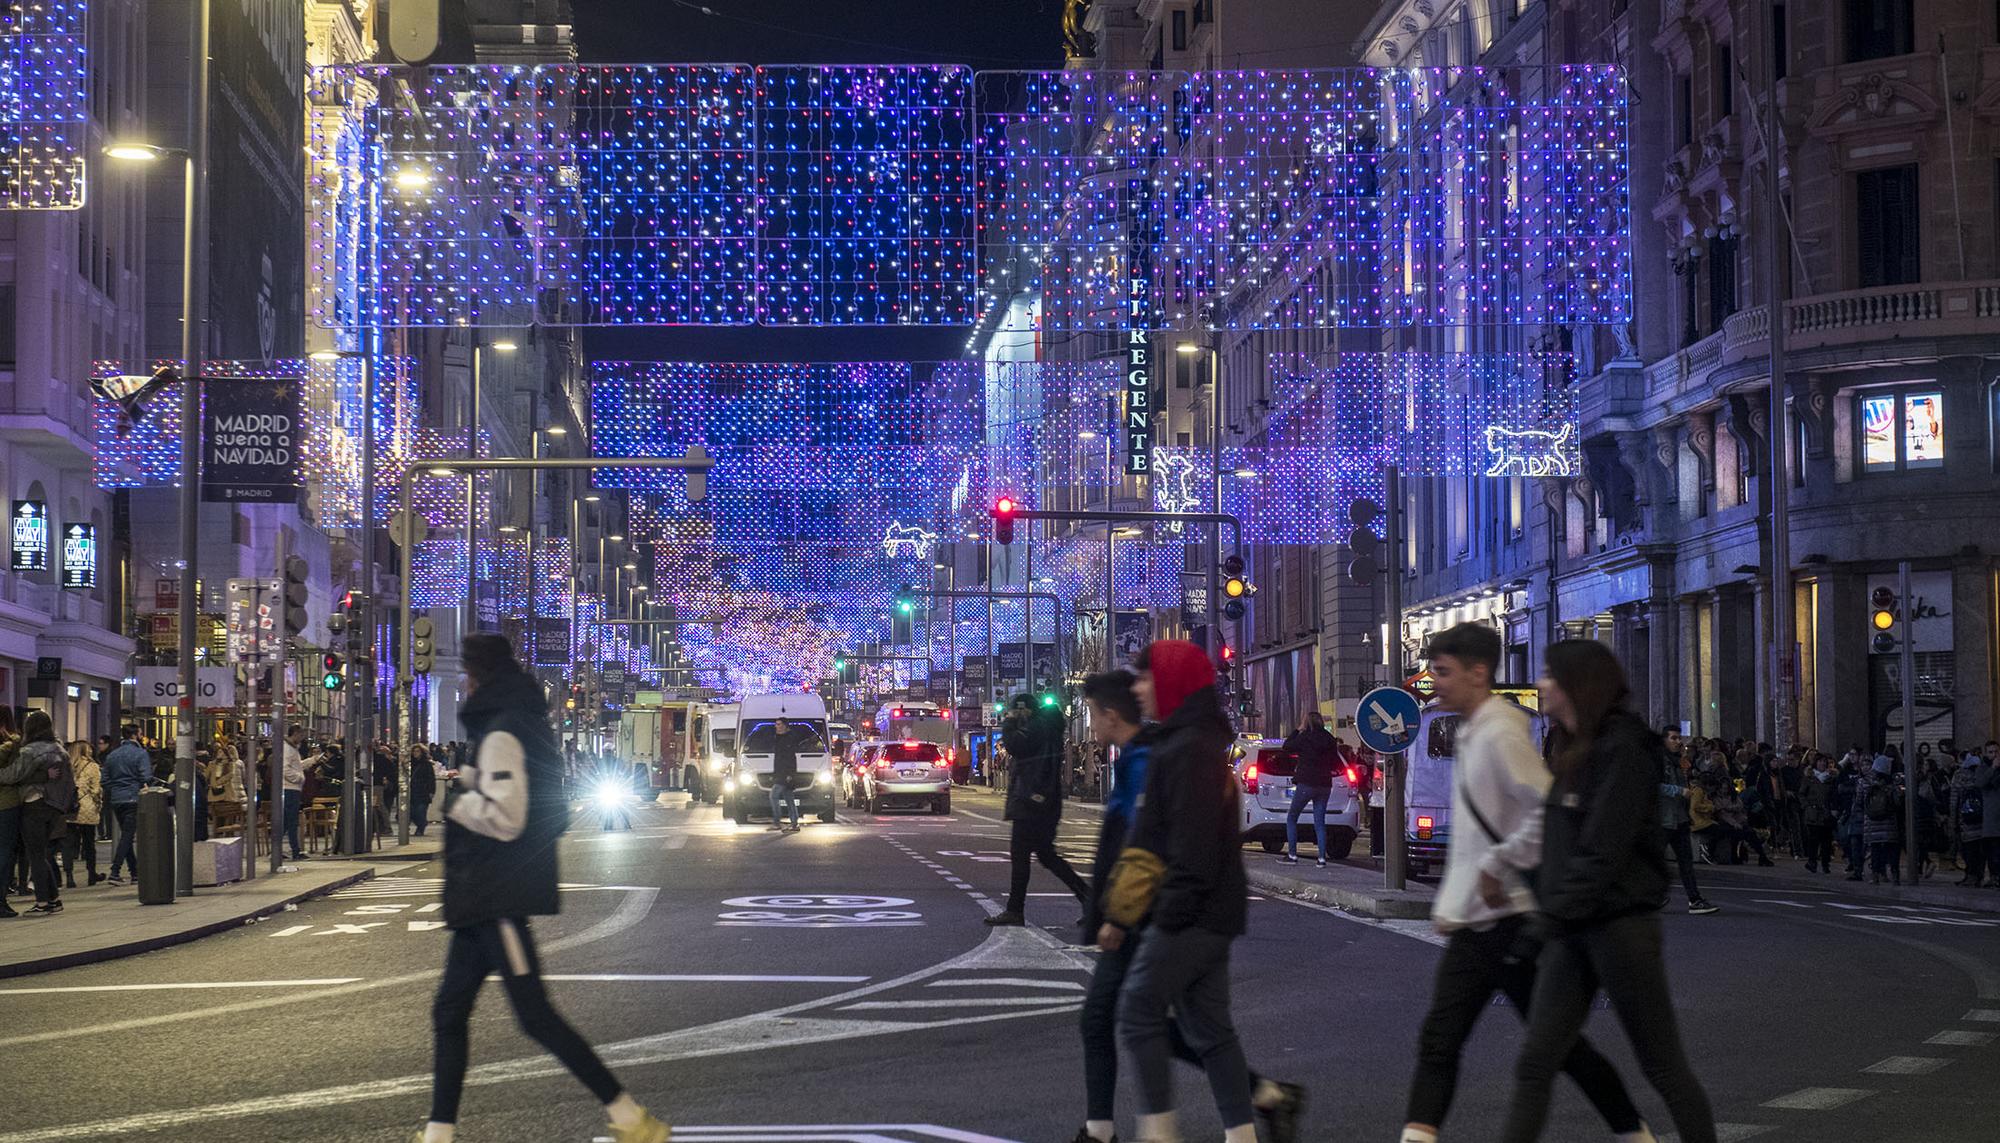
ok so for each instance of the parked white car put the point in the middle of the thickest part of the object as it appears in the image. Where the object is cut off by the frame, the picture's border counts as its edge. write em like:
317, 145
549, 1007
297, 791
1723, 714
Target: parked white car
1264, 770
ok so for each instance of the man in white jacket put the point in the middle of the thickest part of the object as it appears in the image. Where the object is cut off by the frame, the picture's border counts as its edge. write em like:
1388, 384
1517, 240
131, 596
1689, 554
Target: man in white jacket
1484, 902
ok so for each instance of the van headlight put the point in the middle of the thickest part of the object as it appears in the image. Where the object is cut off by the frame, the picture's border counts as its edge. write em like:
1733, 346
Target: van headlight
728, 785
610, 795
823, 778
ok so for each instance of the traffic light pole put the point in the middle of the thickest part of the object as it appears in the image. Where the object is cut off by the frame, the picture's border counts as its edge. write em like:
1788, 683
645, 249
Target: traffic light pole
1908, 668
1028, 599
695, 462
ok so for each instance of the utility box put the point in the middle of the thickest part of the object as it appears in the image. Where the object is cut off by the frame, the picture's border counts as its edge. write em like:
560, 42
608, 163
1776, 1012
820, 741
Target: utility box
218, 862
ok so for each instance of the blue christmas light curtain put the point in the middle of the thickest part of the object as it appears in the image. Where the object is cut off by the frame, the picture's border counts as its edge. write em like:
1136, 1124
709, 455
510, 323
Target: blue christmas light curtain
44, 93
721, 194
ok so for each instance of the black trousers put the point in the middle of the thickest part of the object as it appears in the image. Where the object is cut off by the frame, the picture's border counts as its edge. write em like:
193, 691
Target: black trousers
1819, 845
507, 948
1683, 846
1624, 958
1036, 838
39, 821
1476, 965
81, 838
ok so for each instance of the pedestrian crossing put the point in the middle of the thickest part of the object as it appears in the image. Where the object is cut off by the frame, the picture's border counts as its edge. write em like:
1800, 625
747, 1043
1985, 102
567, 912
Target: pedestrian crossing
968, 993
380, 887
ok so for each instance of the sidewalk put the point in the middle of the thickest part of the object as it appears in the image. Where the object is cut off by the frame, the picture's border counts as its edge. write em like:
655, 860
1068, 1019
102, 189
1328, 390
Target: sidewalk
1351, 885
1790, 874
104, 922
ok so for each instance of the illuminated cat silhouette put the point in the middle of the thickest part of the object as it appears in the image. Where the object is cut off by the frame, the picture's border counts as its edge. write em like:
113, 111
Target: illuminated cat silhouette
1528, 452
916, 539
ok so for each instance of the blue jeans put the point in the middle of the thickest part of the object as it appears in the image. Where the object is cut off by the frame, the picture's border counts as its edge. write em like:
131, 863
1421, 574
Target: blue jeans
122, 857
1186, 973
781, 787
291, 819
10, 836
1317, 795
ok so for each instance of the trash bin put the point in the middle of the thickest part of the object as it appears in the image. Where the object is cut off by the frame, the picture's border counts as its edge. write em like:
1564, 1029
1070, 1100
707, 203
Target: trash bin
154, 847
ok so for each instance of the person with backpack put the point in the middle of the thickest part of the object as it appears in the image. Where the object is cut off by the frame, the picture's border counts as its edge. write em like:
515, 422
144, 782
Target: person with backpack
504, 814
1881, 801
1816, 805
1484, 903
1602, 877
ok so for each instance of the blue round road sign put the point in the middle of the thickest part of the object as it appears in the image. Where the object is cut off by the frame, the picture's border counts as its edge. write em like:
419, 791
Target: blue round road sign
1387, 719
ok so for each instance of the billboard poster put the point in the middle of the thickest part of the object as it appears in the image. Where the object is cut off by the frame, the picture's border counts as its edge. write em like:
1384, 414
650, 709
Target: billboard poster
257, 178
250, 431
1135, 630
79, 556
31, 536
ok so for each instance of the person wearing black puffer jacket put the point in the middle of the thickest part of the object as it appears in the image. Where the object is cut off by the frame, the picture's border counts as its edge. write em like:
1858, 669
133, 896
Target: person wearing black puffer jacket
1033, 736
504, 814
1188, 822
1602, 880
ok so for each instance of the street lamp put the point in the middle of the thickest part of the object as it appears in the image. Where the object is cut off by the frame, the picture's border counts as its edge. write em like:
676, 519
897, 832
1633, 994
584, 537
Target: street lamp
194, 294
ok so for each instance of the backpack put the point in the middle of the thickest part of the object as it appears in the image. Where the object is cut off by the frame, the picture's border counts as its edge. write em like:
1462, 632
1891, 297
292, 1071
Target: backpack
1881, 804
1971, 808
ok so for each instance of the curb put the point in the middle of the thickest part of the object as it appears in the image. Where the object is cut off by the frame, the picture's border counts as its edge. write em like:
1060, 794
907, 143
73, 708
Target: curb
1387, 904
168, 940
429, 855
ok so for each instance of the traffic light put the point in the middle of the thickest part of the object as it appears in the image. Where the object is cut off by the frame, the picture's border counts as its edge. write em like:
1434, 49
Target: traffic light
1005, 511
423, 645
1366, 550
333, 671
1048, 699
295, 594
1883, 616
906, 600
1225, 667
1234, 587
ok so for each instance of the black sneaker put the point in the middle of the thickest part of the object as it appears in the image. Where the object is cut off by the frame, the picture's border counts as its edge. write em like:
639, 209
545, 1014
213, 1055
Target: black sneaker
1281, 1119
7, 911
1083, 1135
1009, 917
1288, 859
1701, 908
1321, 863
48, 909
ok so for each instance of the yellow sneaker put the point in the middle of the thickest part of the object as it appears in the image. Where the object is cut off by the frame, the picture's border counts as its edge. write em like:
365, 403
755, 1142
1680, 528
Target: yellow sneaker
648, 1130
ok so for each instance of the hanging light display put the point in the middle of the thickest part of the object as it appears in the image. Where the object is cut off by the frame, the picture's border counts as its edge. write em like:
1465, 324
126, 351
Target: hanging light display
44, 103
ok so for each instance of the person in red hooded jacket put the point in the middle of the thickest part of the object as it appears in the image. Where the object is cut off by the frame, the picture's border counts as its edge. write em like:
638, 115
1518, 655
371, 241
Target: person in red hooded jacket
1188, 818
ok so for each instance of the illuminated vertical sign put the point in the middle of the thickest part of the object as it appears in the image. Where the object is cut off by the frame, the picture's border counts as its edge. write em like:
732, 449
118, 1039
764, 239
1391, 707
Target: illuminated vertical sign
1138, 400
31, 536
79, 556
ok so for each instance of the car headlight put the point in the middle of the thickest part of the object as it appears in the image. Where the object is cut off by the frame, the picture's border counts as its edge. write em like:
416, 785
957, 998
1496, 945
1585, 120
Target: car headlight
610, 795
729, 784
823, 778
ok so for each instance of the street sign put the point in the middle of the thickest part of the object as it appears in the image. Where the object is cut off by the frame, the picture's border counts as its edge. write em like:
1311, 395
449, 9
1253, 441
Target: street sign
1387, 719
255, 608
215, 687
48, 668
1422, 684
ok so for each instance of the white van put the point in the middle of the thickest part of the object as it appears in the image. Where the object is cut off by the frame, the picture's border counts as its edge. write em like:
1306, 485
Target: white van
748, 791
717, 748
892, 717
1428, 772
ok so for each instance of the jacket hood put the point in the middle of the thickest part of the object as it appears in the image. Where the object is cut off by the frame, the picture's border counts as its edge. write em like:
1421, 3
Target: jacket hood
1882, 766
511, 691
1179, 669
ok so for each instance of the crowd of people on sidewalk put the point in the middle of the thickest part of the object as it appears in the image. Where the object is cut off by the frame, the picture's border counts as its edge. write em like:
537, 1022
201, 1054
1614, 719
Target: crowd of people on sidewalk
58, 800
1725, 802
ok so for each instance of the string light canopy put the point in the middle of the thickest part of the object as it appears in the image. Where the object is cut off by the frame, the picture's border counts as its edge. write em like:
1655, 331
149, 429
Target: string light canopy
44, 103
721, 194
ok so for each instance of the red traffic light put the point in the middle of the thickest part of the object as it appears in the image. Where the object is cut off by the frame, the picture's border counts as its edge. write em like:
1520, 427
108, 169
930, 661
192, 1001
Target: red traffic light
1003, 519
1003, 506
1883, 598
331, 662
1227, 654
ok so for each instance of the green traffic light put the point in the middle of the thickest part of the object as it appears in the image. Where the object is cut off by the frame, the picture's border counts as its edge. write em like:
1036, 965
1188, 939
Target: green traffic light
905, 607
1048, 700
331, 681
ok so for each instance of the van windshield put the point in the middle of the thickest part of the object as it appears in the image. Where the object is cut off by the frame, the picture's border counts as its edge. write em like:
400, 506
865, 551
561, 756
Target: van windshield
809, 735
722, 739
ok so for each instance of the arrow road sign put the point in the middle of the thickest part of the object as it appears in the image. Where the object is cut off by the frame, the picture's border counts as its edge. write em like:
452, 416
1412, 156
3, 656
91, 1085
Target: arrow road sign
1387, 719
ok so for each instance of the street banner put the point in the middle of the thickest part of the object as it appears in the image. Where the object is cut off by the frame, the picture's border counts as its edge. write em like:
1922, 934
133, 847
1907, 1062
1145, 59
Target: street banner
250, 437
551, 641
254, 608
1135, 630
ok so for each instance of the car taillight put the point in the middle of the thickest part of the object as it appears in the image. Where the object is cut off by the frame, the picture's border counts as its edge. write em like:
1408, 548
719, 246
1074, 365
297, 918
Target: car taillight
1250, 779
1353, 778
1423, 828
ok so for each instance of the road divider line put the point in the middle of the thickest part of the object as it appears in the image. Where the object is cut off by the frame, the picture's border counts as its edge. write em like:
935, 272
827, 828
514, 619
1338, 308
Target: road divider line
698, 978
1905, 1066
1805, 1099
960, 1002
188, 986
1014, 981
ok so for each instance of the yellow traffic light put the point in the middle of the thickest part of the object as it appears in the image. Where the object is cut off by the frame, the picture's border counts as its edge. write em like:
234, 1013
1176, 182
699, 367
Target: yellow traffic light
1234, 588
1884, 620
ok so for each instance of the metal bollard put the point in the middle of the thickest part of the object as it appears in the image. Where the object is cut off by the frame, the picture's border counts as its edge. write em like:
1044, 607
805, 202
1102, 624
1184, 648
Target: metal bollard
153, 847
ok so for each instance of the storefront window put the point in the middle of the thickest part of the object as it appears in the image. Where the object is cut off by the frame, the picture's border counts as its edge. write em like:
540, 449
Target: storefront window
1902, 430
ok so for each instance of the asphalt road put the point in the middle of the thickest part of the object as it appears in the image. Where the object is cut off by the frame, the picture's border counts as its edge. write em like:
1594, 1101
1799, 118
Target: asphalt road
841, 977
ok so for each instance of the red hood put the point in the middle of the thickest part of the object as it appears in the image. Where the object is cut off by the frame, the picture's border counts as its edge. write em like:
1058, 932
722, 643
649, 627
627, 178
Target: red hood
1179, 669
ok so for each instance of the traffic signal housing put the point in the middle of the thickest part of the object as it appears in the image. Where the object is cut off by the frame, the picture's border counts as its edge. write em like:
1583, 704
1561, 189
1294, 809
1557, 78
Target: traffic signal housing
423, 645
333, 671
295, 596
1235, 587
1884, 614
1005, 511
1225, 667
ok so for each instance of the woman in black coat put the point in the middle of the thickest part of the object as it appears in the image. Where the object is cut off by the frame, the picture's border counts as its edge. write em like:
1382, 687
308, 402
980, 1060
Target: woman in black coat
423, 787
1603, 879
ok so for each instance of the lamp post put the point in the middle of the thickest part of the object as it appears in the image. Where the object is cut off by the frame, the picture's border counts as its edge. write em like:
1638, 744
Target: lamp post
1188, 349
194, 308
472, 488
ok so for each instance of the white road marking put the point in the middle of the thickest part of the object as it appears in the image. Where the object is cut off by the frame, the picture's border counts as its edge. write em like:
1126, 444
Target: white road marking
1416, 930
1728, 1132
1015, 981
1983, 1016
746, 1133
1775, 901
710, 978
968, 1002
1804, 1099
190, 986
1963, 1039
1905, 1066
629, 913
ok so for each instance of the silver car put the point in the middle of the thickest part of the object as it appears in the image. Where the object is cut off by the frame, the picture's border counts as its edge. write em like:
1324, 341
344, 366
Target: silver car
1264, 770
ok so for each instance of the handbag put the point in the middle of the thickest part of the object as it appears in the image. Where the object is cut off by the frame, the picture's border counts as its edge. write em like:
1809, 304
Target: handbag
1135, 881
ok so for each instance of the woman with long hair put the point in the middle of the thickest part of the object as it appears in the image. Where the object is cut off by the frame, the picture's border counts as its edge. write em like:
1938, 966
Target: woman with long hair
1602, 881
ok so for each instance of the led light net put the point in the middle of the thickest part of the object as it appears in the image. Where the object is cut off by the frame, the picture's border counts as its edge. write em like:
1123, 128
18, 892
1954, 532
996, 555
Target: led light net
44, 89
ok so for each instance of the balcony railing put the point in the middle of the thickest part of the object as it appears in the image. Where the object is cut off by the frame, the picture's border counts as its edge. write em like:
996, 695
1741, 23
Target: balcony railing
1851, 317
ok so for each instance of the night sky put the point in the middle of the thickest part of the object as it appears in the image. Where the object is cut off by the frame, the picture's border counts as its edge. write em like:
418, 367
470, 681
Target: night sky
991, 34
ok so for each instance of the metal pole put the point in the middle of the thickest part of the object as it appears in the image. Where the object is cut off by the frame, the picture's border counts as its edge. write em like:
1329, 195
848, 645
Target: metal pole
1394, 811
399, 655
951, 635
1215, 529
471, 502
278, 712
1110, 592
1028, 611
194, 312
1782, 638
246, 763
575, 585
1908, 667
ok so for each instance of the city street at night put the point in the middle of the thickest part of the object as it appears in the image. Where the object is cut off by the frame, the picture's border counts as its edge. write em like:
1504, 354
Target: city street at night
841, 977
